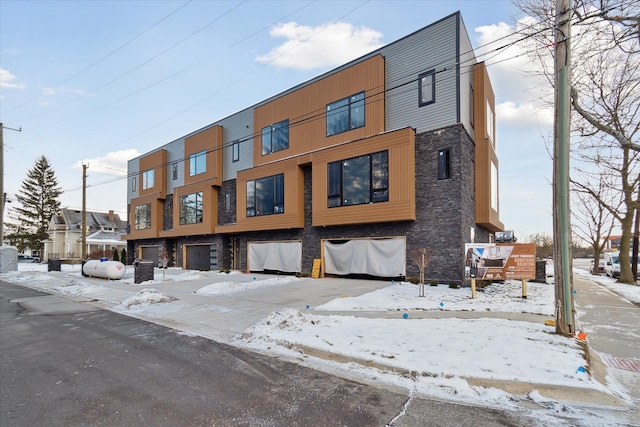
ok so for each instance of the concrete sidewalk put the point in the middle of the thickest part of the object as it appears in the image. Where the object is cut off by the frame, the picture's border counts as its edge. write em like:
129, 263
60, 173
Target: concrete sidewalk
222, 317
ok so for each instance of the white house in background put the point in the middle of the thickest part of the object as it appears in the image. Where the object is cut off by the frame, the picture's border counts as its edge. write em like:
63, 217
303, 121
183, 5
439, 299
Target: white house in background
104, 233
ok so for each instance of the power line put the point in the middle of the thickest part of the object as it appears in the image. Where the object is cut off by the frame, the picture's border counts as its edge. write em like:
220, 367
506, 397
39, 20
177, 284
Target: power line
108, 55
319, 113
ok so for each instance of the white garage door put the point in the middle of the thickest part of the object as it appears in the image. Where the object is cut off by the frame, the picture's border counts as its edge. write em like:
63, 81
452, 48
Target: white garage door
375, 257
276, 256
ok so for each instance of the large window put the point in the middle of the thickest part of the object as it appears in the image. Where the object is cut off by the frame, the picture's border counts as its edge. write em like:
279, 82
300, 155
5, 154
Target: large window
359, 180
191, 208
198, 163
444, 163
275, 137
143, 217
265, 196
427, 88
147, 179
345, 114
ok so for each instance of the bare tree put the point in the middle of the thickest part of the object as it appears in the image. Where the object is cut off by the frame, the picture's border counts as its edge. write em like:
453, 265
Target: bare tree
543, 242
422, 257
605, 97
594, 223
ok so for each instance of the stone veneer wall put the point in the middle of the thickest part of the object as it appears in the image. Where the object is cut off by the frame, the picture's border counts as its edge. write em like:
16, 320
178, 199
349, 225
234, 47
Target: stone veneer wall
445, 211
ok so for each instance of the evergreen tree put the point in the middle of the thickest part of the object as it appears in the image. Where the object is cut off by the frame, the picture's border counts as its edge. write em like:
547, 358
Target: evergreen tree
116, 257
123, 256
38, 197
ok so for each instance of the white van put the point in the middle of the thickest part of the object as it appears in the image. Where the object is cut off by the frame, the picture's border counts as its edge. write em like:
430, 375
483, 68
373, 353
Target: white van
612, 264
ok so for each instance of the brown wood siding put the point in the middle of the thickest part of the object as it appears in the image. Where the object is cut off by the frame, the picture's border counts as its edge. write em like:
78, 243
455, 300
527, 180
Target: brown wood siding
209, 140
293, 216
209, 211
157, 161
485, 150
401, 204
305, 109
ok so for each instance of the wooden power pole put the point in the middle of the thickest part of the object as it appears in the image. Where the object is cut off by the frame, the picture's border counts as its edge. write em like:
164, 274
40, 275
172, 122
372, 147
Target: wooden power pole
84, 211
565, 317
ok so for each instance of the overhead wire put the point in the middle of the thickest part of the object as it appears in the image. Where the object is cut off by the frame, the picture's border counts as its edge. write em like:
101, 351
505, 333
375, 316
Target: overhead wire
317, 114
108, 55
398, 89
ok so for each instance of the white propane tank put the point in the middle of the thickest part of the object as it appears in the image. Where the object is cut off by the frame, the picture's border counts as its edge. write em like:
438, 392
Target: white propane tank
113, 270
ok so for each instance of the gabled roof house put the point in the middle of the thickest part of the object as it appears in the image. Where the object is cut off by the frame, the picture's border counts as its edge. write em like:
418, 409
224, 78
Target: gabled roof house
104, 232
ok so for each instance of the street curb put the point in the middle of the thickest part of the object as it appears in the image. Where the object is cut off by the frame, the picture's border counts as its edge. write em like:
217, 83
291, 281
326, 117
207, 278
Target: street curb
580, 395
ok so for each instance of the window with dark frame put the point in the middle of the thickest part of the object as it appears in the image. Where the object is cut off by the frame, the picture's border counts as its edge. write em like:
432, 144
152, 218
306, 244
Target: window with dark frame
142, 217
275, 137
444, 163
358, 180
345, 114
235, 150
191, 208
134, 184
427, 88
265, 196
174, 169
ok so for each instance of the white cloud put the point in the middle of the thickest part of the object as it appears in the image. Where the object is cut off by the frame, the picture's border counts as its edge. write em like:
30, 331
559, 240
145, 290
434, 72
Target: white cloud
522, 92
7, 80
322, 46
524, 115
114, 163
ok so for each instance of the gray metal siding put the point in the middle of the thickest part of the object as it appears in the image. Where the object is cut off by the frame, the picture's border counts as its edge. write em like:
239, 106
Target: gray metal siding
133, 169
175, 154
434, 47
237, 127
467, 60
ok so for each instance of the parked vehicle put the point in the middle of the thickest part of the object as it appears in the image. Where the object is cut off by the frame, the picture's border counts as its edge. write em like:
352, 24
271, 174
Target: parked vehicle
600, 265
612, 264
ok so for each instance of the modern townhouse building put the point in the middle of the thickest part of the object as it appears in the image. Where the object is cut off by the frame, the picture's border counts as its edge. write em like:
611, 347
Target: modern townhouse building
358, 167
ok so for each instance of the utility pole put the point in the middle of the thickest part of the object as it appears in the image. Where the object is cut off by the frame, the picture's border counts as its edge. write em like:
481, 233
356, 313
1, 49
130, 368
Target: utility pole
3, 195
84, 211
565, 316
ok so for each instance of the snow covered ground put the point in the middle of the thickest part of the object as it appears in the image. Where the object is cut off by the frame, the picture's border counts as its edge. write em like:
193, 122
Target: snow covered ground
426, 349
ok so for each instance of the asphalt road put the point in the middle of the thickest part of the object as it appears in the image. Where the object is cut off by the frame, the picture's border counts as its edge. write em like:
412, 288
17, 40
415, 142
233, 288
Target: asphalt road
83, 366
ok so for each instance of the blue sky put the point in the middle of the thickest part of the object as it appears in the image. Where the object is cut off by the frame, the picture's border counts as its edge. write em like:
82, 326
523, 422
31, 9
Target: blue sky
100, 82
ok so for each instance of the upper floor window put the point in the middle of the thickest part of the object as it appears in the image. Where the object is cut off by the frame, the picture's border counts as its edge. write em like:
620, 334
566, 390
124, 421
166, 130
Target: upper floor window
490, 124
191, 208
359, 180
235, 150
198, 163
275, 137
427, 88
148, 179
265, 196
345, 114
142, 217
444, 163
494, 187
134, 184
174, 170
